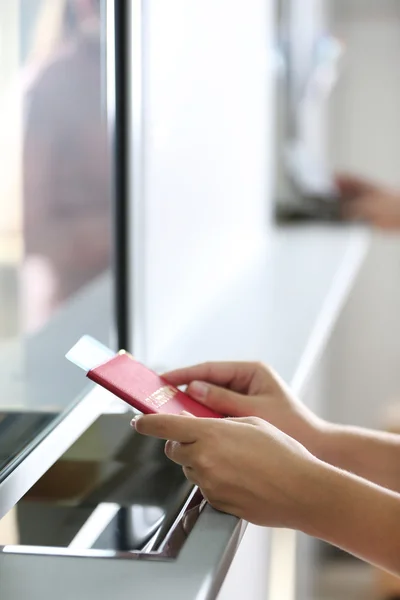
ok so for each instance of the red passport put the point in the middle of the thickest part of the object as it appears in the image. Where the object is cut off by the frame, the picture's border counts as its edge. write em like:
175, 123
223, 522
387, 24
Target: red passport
134, 383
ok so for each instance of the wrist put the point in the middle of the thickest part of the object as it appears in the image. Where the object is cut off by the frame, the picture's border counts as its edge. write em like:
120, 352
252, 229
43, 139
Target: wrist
327, 443
313, 433
328, 499
318, 489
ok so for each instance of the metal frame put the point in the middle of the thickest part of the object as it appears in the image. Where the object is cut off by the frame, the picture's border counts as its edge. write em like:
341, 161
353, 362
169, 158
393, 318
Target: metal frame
117, 104
165, 545
135, 279
125, 71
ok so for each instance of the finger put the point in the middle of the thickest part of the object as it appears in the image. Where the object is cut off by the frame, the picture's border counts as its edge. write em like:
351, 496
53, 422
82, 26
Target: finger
191, 475
235, 375
181, 454
220, 399
177, 428
187, 414
221, 505
254, 421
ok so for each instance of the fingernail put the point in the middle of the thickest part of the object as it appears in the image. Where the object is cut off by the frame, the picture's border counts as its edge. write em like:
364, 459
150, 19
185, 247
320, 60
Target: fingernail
198, 390
135, 420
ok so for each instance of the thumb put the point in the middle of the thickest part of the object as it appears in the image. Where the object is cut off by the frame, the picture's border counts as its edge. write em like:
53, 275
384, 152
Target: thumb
220, 399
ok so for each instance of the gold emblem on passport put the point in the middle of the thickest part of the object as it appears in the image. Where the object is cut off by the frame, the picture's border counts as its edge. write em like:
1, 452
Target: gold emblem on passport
161, 396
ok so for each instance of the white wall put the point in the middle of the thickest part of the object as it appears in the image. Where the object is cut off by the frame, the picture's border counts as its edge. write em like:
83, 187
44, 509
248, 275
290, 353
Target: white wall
10, 125
208, 102
363, 370
208, 129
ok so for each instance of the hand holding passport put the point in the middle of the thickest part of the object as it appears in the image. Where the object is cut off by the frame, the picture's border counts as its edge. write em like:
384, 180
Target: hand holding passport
270, 468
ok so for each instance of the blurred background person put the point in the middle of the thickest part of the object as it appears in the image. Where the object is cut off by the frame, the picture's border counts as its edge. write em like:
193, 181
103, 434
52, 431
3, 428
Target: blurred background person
66, 185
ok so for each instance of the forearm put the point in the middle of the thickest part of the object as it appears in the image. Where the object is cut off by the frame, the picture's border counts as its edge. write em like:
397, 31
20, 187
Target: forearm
355, 515
372, 455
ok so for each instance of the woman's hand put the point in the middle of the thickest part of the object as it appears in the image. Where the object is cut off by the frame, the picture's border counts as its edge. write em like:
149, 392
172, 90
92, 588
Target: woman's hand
251, 389
248, 468
244, 467
365, 201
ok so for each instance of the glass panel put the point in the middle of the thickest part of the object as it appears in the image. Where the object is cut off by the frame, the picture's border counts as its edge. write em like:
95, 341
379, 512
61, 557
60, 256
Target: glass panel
113, 491
56, 207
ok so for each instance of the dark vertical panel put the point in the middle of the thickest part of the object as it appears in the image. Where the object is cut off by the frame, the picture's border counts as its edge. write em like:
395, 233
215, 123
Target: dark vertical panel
120, 129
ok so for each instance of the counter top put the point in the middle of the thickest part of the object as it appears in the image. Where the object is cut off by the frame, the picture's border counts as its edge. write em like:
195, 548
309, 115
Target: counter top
283, 308
280, 311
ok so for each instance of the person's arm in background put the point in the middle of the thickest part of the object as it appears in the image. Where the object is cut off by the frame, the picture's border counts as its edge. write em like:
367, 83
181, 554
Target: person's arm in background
370, 203
252, 389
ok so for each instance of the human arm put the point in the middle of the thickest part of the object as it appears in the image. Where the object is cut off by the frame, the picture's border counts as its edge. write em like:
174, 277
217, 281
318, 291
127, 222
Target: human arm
252, 389
248, 468
356, 516
373, 455
365, 201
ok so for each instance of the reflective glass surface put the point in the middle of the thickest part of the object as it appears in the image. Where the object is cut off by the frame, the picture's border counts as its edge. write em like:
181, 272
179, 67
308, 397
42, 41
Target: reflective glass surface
56, 280
114, 492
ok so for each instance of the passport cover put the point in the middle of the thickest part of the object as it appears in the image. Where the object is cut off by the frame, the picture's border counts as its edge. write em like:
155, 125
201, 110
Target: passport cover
145, 390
